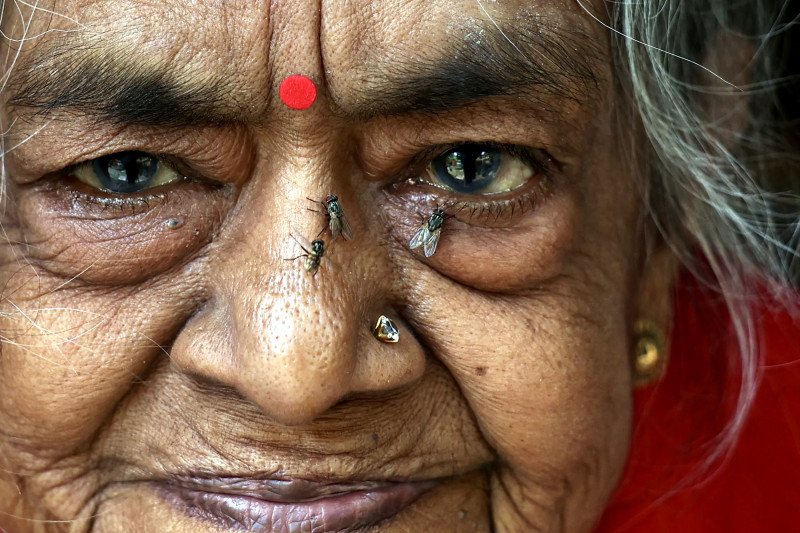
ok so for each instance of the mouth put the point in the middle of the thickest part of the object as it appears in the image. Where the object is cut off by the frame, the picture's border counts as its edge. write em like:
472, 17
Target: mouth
286, 506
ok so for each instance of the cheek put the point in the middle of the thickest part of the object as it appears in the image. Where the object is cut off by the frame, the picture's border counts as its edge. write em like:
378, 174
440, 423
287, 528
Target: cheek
544, 380
73, 235
504, 259
547, 377
69, 356
69, 359
564, 408
505, 248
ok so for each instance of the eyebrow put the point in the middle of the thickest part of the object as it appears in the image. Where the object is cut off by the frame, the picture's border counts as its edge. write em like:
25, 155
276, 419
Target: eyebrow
111, 86
536, 63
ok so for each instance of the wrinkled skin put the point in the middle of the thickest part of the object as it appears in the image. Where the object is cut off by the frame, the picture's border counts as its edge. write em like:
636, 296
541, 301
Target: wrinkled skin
170, 336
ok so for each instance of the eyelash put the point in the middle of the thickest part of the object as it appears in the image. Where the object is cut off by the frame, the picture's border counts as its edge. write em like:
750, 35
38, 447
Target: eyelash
122, 204
118, 202
495, 209
535, 191
531, 193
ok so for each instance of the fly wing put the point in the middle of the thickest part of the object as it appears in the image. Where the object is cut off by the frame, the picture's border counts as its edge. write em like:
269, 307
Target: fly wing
432, 242
347, 231
336, 227
420, 237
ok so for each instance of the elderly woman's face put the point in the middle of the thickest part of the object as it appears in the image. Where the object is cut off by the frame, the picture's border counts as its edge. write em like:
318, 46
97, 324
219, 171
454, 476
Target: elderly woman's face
167, 366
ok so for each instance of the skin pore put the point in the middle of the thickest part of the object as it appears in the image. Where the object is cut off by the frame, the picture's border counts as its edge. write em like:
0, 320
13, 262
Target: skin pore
161, 336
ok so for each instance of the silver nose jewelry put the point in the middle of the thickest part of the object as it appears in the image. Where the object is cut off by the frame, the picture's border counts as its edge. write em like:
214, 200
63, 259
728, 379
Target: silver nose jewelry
385, 330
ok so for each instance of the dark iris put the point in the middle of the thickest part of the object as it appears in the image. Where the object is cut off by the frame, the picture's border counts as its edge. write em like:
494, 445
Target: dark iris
468, 168
126, 172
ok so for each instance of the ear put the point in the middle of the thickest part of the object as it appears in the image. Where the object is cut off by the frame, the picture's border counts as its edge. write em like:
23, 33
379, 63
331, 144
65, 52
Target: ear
654, 308
724, 109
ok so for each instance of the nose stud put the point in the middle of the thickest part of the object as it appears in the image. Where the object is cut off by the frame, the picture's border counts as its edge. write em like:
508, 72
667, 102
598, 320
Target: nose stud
385, 330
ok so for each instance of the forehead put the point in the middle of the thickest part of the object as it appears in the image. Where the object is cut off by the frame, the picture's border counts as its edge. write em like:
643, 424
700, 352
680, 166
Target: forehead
364, 26
250, 46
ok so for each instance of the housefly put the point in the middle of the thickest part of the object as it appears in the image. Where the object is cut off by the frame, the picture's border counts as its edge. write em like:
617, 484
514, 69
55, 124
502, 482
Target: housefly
428, 234
313, 256
336, 221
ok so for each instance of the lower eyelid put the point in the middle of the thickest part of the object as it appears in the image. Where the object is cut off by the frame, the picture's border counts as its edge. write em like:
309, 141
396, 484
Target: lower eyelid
501, 246
501, 209
491, 210
115, 239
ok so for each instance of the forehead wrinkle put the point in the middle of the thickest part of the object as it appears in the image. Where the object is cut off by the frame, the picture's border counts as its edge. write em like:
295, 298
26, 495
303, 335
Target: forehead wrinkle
535, 58
118, 85
198, 46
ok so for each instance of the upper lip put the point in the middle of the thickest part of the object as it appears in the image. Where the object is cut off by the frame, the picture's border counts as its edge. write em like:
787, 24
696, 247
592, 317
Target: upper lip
276, 490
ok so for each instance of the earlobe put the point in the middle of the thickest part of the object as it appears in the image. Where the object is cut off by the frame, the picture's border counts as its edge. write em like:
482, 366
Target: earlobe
649, 352
649, 346
723, 106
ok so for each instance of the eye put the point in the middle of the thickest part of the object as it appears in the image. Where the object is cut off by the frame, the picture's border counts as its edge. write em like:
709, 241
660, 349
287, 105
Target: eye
126, 172
483, 169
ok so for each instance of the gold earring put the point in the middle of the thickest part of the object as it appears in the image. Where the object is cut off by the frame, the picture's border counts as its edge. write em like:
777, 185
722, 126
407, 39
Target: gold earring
385, 330
650, 356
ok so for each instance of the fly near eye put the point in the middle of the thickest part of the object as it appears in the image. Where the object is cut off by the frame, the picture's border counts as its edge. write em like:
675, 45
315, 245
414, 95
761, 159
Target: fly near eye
337, 223
429, 233
313, 255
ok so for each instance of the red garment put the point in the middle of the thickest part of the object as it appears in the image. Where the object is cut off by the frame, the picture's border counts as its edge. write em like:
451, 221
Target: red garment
755, 487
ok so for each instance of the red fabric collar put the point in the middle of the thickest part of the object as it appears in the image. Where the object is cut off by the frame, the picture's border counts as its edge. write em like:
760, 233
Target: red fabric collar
755, 487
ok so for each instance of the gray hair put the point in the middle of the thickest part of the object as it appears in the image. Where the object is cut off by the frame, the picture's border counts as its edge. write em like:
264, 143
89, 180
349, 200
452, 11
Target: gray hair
711, 183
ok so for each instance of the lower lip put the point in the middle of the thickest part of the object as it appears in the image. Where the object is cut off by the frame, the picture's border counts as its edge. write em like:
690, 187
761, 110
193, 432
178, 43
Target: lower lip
342, 513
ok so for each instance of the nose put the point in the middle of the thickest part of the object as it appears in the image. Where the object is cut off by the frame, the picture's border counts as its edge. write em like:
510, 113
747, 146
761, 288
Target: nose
294, 343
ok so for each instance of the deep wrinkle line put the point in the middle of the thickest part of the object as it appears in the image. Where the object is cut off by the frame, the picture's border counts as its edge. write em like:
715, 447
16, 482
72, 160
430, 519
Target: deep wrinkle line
123, 91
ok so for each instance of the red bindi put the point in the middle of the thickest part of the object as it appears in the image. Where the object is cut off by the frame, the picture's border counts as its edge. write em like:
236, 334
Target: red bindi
298, 92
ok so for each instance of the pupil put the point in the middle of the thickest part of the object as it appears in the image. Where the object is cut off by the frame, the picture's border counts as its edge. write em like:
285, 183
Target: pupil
126, 172
468, 168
